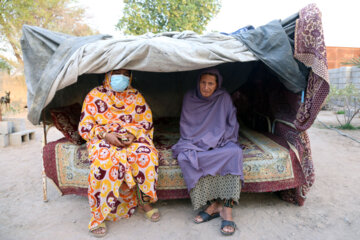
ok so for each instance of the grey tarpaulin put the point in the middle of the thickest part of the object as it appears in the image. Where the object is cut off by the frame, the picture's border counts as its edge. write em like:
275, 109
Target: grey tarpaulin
270, 43
54, 61
64, 58
45, 53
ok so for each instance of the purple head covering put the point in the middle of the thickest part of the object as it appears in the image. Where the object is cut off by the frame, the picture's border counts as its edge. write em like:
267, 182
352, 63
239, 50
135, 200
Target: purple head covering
207, 123
219, 81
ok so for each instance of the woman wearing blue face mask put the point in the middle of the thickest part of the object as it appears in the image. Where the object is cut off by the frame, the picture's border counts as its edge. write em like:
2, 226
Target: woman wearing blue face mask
117, 124
120, 80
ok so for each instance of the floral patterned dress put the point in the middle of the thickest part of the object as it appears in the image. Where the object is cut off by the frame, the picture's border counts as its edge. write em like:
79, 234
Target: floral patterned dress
116, 171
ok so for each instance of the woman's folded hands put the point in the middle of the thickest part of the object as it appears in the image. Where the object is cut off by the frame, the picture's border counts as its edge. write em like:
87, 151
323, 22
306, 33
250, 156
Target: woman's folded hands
119, 140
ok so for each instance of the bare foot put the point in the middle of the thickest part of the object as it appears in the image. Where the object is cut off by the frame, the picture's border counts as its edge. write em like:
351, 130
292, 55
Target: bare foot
148, 207
215, 207
226, 214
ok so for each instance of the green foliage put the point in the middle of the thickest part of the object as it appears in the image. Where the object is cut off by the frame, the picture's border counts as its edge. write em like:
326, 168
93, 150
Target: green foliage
142, 16
347, 126
56, 15
4, 66
349, 98
353, 62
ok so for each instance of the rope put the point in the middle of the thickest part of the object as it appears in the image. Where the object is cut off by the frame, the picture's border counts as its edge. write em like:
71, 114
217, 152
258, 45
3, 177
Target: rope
341, 133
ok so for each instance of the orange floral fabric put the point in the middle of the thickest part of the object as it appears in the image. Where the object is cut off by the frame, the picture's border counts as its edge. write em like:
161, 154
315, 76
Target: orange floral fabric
115, 171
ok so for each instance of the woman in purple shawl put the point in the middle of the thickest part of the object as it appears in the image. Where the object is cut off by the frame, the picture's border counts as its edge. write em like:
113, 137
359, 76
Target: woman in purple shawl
208, 150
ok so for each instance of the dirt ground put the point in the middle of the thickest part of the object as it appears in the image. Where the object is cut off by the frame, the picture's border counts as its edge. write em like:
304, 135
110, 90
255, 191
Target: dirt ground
332, 210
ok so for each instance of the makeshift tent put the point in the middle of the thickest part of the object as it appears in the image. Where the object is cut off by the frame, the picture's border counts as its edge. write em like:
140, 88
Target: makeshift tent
54, 61
288, 57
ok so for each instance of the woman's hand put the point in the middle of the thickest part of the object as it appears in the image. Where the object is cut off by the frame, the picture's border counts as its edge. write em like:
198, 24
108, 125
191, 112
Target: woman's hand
128, 139
114, 139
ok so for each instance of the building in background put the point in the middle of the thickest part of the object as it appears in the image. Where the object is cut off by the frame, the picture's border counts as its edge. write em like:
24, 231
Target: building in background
339, 74
337, 55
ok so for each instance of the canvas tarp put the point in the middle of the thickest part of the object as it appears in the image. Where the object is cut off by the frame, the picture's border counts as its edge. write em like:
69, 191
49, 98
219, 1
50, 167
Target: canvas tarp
166, 52
54, 61
271, 45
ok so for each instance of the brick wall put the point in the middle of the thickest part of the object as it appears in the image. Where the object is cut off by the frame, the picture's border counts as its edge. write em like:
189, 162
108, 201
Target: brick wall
336, 55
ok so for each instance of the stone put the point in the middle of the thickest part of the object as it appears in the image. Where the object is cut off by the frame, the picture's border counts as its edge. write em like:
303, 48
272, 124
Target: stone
4, 140
18, 138
6, 127
19, 124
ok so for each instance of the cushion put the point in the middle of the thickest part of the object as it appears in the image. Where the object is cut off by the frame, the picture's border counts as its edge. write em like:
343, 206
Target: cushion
66, 120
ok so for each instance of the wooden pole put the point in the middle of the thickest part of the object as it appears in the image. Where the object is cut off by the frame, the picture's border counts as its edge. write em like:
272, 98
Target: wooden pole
43, 174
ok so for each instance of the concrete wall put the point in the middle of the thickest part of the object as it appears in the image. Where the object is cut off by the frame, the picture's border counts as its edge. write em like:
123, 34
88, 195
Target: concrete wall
340, 76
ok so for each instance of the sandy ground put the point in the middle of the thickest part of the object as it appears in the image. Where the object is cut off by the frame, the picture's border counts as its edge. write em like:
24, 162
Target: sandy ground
332, 210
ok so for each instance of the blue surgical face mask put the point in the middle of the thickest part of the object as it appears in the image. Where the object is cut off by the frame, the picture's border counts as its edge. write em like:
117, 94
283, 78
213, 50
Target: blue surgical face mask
119, 82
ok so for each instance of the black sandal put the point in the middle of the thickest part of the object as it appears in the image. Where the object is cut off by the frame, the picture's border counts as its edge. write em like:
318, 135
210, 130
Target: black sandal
226, 223
206, 217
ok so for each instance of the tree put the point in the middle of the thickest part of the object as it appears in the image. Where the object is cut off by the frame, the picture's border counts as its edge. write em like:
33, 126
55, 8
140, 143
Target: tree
55, 15
4, 66
349, 99
142, 16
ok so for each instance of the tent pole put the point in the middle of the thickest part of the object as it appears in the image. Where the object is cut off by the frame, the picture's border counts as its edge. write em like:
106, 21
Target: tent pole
44, 180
